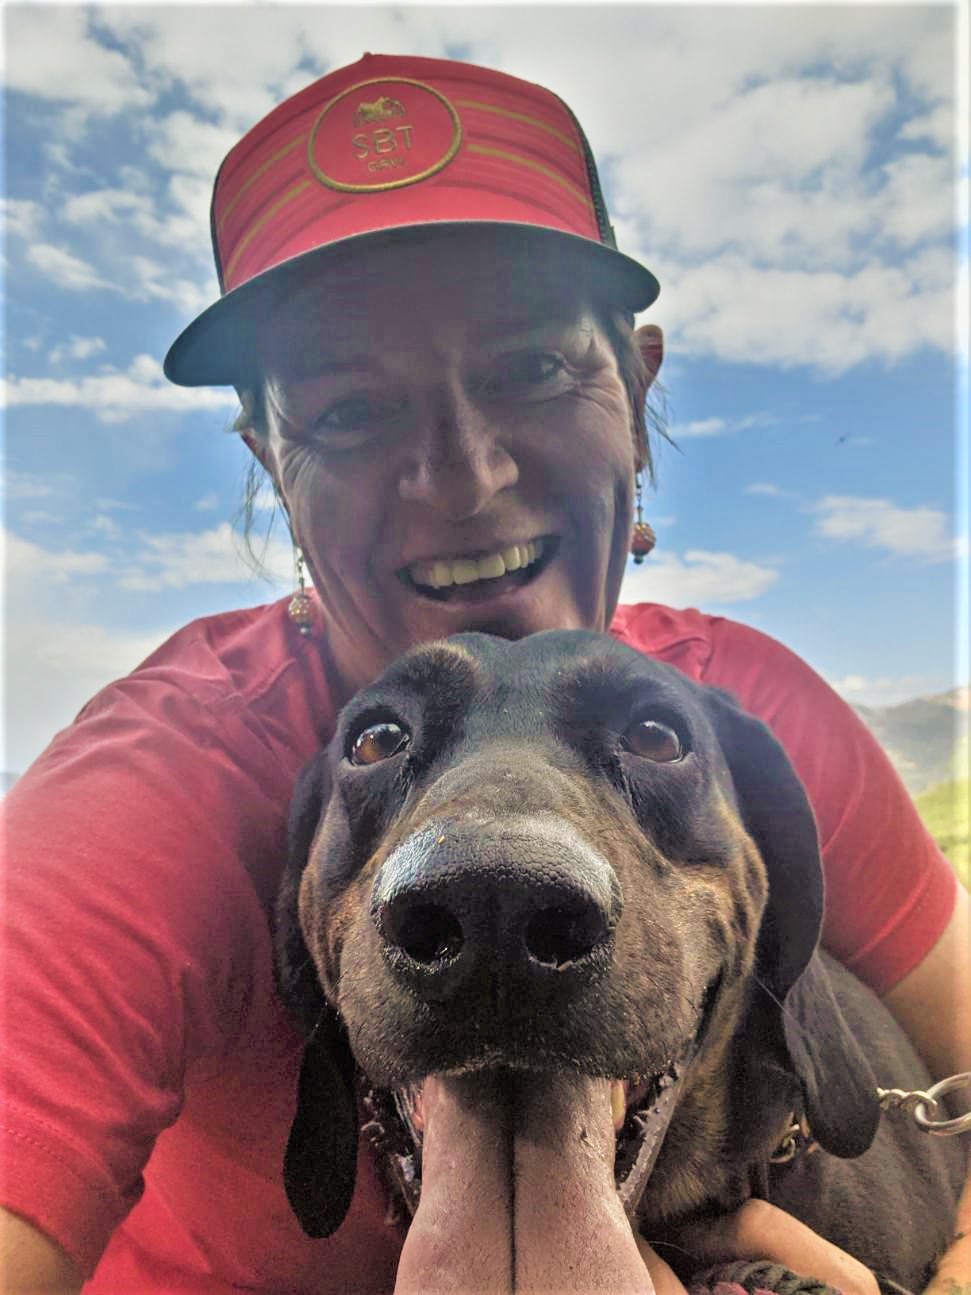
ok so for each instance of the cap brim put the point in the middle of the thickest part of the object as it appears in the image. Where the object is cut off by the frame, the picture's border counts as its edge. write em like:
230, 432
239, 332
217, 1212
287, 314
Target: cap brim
219, 347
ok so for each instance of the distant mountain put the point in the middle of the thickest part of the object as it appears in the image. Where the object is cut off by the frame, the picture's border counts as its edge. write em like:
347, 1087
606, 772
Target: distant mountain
924, 737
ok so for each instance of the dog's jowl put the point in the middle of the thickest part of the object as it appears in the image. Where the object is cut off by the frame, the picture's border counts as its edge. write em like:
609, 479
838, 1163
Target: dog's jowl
556, 889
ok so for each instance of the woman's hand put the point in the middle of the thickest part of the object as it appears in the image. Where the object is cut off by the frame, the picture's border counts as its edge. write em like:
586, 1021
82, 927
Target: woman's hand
953, 1276
759, 1230
931, 1004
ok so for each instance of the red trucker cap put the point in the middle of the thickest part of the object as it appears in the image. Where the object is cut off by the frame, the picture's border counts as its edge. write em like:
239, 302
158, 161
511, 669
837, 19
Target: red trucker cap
382, 150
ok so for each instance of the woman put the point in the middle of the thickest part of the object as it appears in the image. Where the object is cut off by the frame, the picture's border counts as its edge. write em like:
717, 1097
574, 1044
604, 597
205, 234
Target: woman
452, 415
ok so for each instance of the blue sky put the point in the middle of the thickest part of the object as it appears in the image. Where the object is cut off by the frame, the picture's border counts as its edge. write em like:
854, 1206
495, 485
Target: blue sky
793, 176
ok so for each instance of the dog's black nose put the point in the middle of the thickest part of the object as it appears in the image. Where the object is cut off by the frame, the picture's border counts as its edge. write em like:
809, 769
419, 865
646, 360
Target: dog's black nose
526, 904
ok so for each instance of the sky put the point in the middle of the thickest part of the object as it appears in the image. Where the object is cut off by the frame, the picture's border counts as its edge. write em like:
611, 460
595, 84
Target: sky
795, 176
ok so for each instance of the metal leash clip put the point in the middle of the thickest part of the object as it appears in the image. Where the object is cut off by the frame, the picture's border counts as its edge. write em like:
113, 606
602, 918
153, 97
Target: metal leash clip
921, 1106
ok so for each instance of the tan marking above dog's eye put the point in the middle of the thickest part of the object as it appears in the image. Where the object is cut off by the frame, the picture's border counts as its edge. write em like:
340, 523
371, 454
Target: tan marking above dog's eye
653, 741
378, 742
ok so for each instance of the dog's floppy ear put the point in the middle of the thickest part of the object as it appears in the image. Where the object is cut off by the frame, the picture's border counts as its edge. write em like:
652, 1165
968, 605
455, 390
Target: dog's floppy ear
777, 815
837, 1081
319, 1168
320, 1164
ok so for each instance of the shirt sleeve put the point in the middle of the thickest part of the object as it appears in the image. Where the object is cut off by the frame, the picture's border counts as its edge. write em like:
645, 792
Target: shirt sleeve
889, 890
135, 943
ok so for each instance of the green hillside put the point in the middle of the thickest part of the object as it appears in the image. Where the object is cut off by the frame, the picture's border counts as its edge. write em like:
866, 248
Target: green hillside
944, 809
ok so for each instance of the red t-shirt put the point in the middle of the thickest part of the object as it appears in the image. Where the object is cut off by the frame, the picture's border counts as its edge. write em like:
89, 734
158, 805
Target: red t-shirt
150, 1073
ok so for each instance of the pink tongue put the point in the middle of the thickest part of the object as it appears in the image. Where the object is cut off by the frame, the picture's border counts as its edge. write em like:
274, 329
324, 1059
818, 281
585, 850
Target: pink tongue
518, 1192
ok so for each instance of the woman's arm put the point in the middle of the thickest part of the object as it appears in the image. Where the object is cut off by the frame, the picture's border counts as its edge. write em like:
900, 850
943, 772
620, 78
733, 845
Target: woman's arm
933, 1004
32, 1264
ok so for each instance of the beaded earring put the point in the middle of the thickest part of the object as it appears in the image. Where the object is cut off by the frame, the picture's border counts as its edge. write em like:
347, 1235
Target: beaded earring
642, 538
300, 610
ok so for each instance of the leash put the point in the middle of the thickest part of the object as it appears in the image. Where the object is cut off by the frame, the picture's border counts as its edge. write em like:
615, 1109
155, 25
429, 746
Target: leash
917, 1103
921, 1105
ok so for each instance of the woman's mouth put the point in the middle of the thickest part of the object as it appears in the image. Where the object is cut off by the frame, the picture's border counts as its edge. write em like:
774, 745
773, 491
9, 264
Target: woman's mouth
483, 576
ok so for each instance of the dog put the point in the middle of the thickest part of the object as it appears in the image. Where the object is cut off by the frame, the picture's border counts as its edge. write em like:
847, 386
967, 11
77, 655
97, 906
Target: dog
557, 856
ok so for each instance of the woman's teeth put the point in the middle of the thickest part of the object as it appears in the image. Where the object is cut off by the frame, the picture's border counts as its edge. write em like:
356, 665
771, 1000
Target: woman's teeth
465, 571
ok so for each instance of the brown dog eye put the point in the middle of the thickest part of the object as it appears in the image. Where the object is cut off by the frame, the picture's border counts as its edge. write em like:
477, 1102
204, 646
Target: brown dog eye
378, 742
653, 741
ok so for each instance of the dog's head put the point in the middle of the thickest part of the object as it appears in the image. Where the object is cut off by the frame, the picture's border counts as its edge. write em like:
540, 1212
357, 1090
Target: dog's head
549, 855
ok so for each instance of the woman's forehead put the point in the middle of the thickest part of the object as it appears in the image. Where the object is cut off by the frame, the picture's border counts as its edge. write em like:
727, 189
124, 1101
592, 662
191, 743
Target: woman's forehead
472, 283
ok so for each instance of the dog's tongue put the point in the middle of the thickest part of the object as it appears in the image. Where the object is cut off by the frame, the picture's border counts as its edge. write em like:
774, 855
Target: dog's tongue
518, 1192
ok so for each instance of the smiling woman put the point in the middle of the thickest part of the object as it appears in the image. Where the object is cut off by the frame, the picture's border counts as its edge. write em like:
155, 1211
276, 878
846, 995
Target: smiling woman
431, 331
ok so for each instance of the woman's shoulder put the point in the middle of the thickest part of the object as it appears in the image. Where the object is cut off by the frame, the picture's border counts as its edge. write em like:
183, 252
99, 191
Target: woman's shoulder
683, 637
251, 662
715, 650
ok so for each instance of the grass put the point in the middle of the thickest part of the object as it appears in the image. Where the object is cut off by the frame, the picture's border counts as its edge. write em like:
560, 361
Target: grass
945, 810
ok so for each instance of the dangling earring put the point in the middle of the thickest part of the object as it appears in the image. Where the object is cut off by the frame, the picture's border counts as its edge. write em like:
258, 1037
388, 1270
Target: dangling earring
301, 610
642, 538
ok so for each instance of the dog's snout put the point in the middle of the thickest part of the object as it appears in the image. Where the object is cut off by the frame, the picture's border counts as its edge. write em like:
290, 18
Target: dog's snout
494, 910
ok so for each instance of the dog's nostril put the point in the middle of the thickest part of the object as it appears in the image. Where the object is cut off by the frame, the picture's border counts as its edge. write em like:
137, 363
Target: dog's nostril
426, 932
558, 936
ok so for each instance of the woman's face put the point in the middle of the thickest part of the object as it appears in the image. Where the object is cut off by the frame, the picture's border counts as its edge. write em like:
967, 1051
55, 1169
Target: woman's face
452, 438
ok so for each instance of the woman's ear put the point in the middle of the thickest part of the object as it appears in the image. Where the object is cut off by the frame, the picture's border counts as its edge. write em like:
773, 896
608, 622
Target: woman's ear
257, 447
650, 343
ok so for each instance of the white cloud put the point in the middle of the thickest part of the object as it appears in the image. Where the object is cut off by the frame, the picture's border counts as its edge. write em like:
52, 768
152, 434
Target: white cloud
698, 579
115, 396
200, 557
768, 489
77, 348
181, 222
53, 667
878, 523
936, 127
102, 206
882, 690
775, 170
701, 427
51, 53
22, 485
824, 319
56, 655
156, 282
704, 427
918, 200
20, 217
189, 145
66, 269
22, 560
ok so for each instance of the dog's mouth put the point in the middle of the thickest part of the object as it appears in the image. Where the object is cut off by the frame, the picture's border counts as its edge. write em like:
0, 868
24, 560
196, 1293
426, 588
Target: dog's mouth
480, 577
640, 1109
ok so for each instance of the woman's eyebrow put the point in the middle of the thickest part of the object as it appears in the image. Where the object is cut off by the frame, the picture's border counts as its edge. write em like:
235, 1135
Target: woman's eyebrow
522, 328
317, 364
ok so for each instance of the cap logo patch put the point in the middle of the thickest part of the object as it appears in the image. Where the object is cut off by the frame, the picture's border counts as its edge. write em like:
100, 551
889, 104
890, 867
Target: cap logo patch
383, 134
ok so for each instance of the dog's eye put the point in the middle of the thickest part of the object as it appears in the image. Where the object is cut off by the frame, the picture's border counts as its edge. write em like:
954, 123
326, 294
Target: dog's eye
378, 742
653, 741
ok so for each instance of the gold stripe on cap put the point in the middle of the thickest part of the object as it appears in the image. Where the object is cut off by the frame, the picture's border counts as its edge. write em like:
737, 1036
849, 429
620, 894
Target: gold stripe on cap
517, 160
270, 161
267, 215
521, 116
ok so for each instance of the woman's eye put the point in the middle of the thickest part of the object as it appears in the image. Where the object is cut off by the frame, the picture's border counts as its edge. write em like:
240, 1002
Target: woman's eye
378, 742
357, 414
347, 415
522, 372
653, 741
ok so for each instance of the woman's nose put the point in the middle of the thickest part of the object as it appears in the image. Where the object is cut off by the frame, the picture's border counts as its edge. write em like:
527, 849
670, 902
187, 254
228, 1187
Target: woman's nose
459, 460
